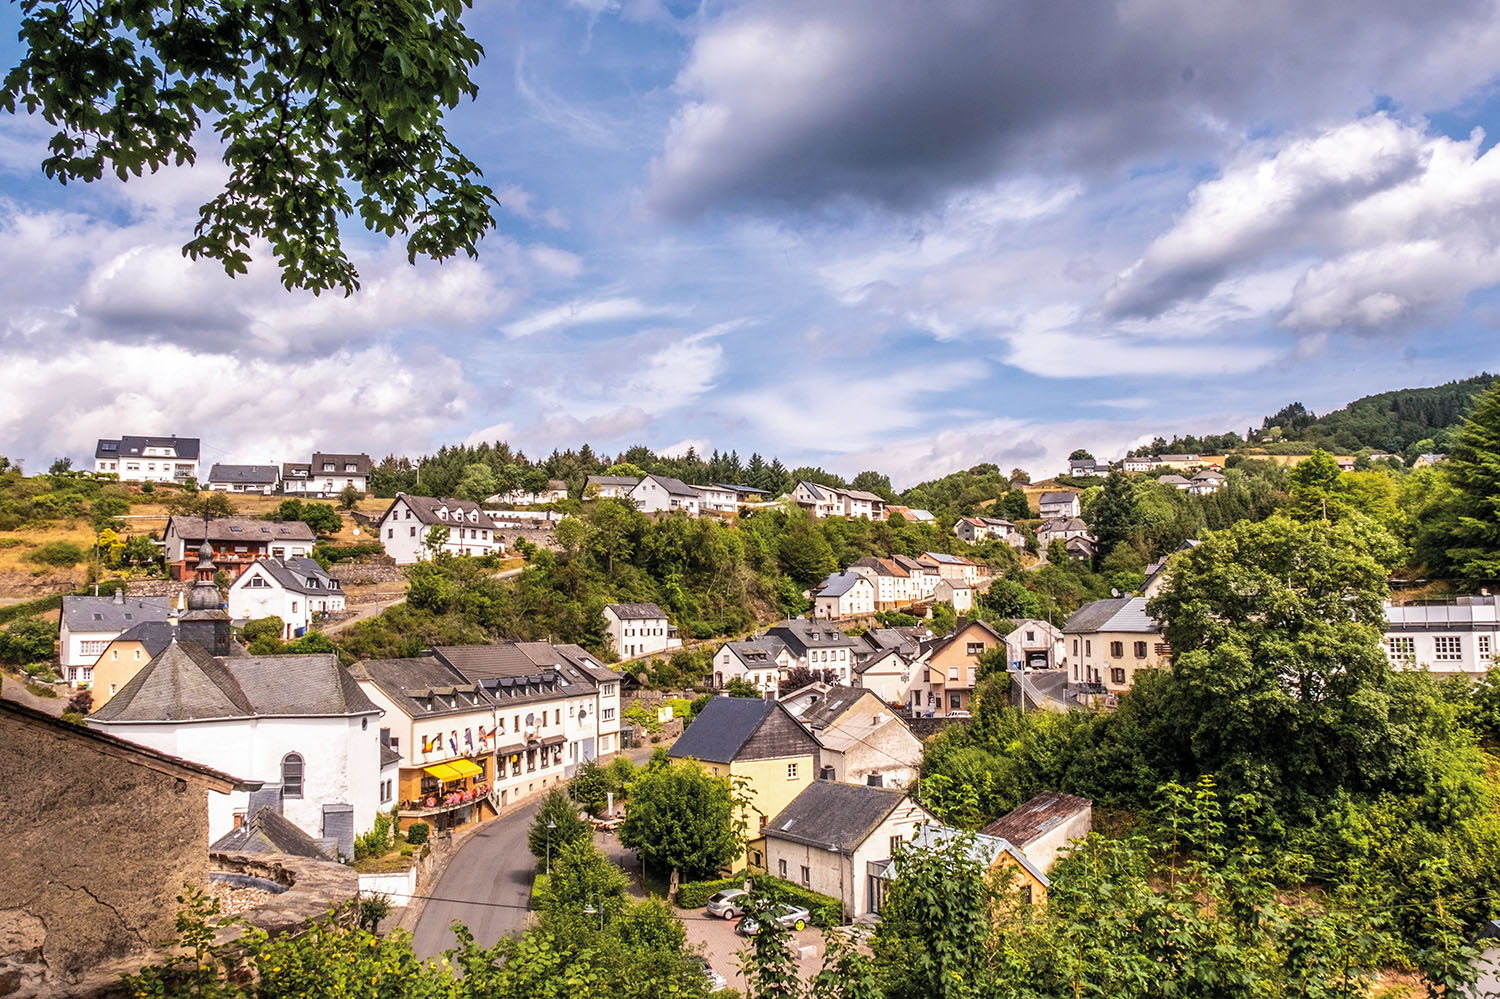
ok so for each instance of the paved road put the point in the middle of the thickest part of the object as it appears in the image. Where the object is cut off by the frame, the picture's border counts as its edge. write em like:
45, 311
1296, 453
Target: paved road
494, 866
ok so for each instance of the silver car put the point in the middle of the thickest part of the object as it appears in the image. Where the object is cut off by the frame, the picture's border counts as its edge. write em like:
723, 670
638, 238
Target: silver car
793, 917
727, 904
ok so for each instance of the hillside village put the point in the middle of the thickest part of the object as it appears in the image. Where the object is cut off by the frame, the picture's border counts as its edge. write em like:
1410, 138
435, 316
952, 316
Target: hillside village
858, 680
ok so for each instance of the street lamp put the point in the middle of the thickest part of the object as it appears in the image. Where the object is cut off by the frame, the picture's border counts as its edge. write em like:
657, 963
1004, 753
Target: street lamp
550, 826
589, 910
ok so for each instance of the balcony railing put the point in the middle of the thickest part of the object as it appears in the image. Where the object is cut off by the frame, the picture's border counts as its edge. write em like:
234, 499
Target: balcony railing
437, 804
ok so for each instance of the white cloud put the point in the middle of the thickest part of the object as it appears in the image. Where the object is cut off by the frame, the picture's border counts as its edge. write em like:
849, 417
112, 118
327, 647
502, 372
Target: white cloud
581, 312
698, 444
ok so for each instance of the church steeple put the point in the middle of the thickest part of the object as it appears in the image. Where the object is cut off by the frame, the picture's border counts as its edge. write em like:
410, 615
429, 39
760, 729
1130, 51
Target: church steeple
205, 621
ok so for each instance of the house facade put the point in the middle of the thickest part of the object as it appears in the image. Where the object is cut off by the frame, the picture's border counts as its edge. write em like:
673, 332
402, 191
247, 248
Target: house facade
1035, 644
759, 742
889, 675
261, 479
844, 595
126, 656
148, 459
817, 645
951, 664
298, 724
757, 661
894, 586
832, 837
1044, 827
237, 542
326, 475
609, 486
955, 568
862, 740
406, 523
1058, 503
717, 499
664, 494
88, 624
1109, 641
1443, 637
294, 589
639, 630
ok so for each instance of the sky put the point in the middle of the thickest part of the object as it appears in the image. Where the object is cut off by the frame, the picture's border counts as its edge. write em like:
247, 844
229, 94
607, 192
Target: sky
854, 233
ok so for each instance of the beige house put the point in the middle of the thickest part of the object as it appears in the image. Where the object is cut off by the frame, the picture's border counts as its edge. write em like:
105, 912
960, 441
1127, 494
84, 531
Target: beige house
126, 656
1109, 641
837, 840
1045, 826
1035, 645
950, 666
894, 586
863, 740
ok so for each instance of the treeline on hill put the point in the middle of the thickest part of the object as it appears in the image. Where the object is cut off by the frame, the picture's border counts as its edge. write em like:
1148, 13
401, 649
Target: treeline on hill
713, 578
1406, 422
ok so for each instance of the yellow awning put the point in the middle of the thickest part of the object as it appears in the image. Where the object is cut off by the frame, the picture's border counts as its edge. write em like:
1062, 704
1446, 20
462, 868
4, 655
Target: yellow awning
443, 771
465, 768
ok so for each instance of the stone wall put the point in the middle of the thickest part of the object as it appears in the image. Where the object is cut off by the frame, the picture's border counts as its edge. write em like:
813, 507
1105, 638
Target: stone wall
349, 573
95, 850
924, 727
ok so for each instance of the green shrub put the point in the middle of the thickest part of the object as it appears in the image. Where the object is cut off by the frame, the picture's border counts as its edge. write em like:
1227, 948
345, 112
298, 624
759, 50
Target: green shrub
31, 607
418, 833
825, 911
695, 894
11, 542
343, 553
64, 554
539, 891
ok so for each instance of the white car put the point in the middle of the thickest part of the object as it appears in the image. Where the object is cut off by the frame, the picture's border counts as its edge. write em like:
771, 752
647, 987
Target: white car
791, 916
716, 981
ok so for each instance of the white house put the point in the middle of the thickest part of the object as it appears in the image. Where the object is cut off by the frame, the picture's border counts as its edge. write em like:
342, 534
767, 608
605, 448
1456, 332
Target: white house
924, 576
293, 589
664, 494
1052, 505
1142, 464
863, 741
1035, 645
976, 529
757, 661
1445, 638
407, 521
1060, 529
556, 492
1087, 467
639, 629
821, 501
1206, 482
261, 479
298, 723
888, 674
817, 645
894, 586
609, 486
955, 593
844, 594
88, 624
833, 836
148, 459
326, 475
719, 499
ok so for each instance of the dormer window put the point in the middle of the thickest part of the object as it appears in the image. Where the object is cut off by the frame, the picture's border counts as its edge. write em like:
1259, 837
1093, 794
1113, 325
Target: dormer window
351, 468
327, 466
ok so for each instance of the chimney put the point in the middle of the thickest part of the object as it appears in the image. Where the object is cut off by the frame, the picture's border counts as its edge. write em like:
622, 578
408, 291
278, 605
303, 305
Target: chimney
119, 596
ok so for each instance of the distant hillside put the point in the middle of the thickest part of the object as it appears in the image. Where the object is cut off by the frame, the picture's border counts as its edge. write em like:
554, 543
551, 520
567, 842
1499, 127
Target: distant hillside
1405, 422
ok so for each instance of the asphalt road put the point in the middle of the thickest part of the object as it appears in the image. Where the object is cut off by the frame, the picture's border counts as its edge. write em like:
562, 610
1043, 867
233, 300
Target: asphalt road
494, 866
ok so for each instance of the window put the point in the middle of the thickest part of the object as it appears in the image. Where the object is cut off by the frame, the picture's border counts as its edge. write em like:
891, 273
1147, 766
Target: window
1401, 648
1447, 647
385, 791
291, 776
1031, 636
974, 648
781, 868
791, 771
1117, 675
806, 876
414, 530
609, 714
1088, 647
1140, 650
1483, 644
557, 717
874, 780
1117, 650
92, 648
1026, 894
608, 690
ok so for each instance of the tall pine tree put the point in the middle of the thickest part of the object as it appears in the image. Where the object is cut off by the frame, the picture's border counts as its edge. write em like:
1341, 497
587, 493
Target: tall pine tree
1473, 467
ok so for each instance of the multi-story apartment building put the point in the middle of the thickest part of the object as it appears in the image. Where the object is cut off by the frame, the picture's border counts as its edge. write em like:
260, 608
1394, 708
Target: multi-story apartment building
1109, 641
148, 459
1444, 637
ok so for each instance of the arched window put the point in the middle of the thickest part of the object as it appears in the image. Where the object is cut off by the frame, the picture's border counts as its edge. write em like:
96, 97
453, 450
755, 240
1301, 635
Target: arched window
291, 775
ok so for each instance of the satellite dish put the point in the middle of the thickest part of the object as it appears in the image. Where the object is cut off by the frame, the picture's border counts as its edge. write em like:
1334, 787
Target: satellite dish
1114, 592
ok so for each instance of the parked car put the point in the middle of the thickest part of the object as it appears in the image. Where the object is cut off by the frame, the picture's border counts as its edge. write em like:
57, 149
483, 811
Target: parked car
727, 904
959, 714
793, 916
716, 981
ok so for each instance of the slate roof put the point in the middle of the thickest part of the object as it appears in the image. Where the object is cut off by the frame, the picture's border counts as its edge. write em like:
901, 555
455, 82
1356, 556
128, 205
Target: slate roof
910, 564
860, 494
834, 816
800, 635
239, 530
426, 508
756, 653
839, 583
882, 566
1114, 614
184, 683
1036, 817
154, 636
513, 672
135, 447
612, 480
361, 463
983, 848
1172, 480
1057, 497
901, 640
389, 757
721, 728
812, 489
963, 625
424, 686
249, 475
945, 559
674, 487
827, 703
636, 612
294, 574
268, 831
104, 614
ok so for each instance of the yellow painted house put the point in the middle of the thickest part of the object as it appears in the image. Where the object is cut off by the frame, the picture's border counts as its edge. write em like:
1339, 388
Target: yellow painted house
126, 656
761, 744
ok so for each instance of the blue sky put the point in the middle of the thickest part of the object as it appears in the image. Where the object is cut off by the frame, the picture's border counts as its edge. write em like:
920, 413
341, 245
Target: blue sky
860, 233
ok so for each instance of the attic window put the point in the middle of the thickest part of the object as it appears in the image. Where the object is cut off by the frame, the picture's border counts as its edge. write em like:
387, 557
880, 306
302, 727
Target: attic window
98, 617
129, 617
234, 529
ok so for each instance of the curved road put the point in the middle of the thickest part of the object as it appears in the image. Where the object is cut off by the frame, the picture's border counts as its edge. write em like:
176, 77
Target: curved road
494, 867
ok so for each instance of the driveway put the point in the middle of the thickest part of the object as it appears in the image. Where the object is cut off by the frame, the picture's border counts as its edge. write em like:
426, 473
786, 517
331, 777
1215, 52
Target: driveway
486, 886
721, 945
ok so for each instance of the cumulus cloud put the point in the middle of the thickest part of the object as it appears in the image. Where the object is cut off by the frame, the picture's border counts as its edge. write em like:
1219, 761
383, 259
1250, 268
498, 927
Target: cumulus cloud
885, 101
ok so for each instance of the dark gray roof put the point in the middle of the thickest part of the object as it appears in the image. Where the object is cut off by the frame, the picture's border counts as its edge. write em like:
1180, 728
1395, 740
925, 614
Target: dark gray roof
1036, 817
426, 508
185, 683
839, 583
250, 475
104, 614
757, 653
801, 635
519, 671
299, 575
882, 566
902, 640
612, 480
1114, 614
155, 636
674, 487
295, 469
135, 447
829, 701
721, 728
424, 687
389, 757
240, 530
268, 831
361, 463
813, 489
633, 612
1057, 497
834, 816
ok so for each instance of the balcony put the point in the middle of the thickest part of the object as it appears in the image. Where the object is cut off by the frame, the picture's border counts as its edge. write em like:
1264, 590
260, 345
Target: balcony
441, 804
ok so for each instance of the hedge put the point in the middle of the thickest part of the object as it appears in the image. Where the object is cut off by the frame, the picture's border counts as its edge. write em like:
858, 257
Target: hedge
695, 894
30, 607
342, 553
538, 891
825, 911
